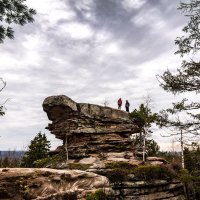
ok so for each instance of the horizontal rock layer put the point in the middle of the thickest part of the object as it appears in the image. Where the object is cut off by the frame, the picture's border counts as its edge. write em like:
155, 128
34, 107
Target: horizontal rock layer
155, 190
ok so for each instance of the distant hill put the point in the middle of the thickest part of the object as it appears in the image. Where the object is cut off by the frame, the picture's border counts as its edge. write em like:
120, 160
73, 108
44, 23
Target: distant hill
11, 154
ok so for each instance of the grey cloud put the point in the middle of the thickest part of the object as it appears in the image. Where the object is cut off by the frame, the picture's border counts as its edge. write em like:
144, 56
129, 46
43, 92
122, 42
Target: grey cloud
81, 68
111, 16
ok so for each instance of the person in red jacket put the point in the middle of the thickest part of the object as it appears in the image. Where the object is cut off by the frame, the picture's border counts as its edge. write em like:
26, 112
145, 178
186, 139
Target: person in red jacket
119, 102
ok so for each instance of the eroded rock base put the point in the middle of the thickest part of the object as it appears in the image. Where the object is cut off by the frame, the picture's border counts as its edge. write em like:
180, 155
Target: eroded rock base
48, 184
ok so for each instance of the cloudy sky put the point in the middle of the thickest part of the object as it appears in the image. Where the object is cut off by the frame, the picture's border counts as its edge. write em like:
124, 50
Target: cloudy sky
90, 50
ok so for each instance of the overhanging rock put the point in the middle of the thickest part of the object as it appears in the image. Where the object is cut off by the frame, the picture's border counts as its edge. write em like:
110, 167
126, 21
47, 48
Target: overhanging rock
89, 129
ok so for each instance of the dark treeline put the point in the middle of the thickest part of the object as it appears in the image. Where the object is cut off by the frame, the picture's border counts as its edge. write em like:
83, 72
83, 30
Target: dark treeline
11, 158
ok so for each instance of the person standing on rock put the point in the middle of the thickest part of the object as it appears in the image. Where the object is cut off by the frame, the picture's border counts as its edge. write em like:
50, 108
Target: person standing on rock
127, 105
119, 102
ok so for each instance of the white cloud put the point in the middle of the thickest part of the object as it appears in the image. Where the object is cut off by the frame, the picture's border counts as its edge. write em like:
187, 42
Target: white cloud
51, 11
112, 48
102, 36
13, 77
84, 73
133, 4
7, 61
76, 31
32, 42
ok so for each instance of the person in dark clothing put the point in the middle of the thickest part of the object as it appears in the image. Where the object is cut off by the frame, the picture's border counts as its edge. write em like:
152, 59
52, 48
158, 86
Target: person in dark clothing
119, 102
127, 105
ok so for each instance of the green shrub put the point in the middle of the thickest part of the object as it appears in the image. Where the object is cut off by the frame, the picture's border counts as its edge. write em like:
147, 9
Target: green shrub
121, 166
196, 173
53, 161
117, 176
154, 172
120, 171
78, 166
191, 181
42, 162
98, 195
185, 176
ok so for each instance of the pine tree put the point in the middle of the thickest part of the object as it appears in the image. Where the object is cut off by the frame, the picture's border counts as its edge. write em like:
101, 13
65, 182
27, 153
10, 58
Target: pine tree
151, 145
38, 149
192, 157
184, 115
144, 118
187, 77
13, 11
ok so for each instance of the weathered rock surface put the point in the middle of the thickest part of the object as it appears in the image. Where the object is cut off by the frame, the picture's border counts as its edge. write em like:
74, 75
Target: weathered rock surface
156, 190
51, 184
48, 184
89, 129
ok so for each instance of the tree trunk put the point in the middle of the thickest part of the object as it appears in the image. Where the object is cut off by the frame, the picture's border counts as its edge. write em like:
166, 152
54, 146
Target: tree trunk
66, 147
182, 154
144, 145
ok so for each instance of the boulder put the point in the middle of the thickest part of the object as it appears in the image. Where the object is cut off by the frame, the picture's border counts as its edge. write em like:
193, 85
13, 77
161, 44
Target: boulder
49, 184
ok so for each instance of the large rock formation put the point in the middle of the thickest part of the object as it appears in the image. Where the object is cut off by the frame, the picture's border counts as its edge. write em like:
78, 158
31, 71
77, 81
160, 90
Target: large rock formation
97, 139
88, 129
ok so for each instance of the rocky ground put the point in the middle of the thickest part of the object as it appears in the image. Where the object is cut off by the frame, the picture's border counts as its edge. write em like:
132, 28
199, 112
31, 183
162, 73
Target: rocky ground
50, 184
21, 183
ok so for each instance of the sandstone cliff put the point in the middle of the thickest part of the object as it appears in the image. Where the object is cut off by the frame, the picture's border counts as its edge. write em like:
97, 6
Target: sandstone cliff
88, 129
97, 139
